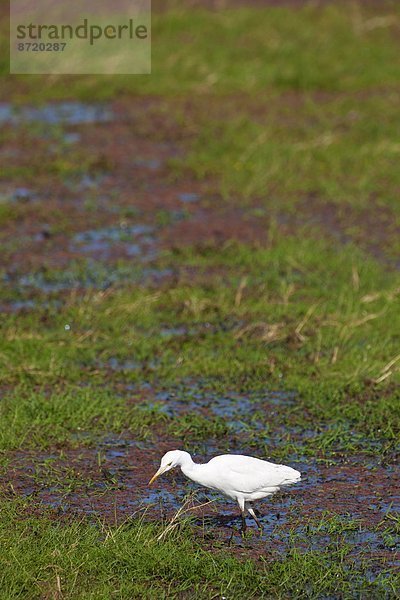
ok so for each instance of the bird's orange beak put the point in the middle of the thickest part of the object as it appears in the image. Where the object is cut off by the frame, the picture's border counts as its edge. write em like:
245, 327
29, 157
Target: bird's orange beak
159, 472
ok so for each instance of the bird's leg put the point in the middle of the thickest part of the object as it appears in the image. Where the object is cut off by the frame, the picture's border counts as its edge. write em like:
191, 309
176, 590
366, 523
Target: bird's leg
242, 506
230, 538
253, 514
244, 524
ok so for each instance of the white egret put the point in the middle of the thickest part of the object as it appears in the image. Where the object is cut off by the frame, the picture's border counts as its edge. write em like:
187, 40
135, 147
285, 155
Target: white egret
240, 478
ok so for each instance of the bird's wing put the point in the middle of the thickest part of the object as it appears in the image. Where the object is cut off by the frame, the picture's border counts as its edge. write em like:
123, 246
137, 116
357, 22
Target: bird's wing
250, 474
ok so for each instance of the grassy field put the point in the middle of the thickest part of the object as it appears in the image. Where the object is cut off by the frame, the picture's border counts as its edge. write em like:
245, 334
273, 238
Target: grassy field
210, 263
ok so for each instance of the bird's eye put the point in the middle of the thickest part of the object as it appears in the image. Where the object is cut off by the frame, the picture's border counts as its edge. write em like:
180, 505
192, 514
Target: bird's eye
170, 464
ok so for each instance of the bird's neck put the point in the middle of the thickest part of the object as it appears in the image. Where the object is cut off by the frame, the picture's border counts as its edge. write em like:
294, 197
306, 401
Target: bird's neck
188, 467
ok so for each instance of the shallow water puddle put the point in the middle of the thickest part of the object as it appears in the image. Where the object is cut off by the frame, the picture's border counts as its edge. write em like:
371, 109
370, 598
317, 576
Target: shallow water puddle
134, 241
114, 255
237, 414
89, 181
19, 194
90, 275
72, 137
239, 411
62, 113
148, 163
118, 365
188, 198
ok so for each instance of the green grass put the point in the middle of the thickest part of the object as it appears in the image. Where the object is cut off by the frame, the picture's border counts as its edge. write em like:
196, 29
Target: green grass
81, 560
349, 318
234, 50
328, 339
333, 150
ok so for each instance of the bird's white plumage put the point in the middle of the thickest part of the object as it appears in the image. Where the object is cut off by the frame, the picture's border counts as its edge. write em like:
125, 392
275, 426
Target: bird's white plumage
238, 477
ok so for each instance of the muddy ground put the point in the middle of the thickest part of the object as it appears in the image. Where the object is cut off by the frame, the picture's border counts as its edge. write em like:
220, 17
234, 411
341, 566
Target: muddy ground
112, 196
110, 482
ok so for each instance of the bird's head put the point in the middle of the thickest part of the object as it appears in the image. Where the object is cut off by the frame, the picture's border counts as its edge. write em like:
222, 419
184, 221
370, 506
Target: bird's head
171, 459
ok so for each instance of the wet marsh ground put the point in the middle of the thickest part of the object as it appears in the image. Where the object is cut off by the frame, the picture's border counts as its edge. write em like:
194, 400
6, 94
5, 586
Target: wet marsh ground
205, 259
